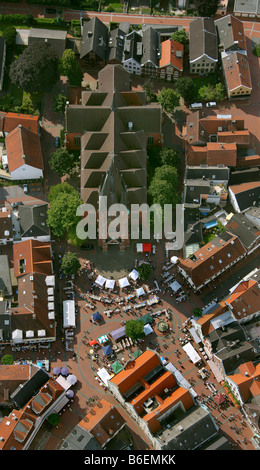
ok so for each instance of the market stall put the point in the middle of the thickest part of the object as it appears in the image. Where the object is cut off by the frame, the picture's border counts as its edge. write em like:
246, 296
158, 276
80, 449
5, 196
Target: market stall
69, 314
192, 353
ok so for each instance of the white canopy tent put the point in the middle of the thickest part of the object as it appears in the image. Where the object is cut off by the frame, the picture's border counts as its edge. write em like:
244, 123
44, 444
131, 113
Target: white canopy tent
110, 284
123, 282
134, 275
174, 259
50, 281
140, 292
139, 247
147, 329
69, 317
17, 335
175, 286
41, 333
100, 280
104, 375
192, 353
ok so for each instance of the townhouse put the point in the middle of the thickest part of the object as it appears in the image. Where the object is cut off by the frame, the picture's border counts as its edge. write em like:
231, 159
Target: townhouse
203, 54
244, 196
171, 60
249, 9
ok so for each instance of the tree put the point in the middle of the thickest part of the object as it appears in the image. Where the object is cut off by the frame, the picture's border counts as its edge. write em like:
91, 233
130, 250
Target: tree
163, 187
197, 312
169, 156
7, 360
62, 213
62, 162
186, 88
169, 99
220, 92
181, 37
59, 189
134, 329
150, 93
212, 92
206, 8
36, 69
70, 263
70, 67
53, 419
9, 34
60, 103
144, 271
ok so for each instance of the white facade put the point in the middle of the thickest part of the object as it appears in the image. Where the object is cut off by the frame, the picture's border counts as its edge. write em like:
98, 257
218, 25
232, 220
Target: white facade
132, 66
203, 64
26, 172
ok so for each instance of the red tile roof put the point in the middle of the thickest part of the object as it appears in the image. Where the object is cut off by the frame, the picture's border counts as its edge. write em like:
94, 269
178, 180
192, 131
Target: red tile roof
241, 137
36, 256
12, 120
247, 380
168, 54
240, 188
237, 71
219, 153
23, 147
244, 300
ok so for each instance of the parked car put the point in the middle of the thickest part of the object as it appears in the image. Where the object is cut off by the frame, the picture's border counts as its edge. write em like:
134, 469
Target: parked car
57, 141
25, 188
51, 10
211, 104
196, 106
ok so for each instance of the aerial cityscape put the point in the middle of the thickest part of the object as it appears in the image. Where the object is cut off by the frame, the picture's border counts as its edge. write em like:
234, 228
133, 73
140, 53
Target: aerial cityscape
129, 226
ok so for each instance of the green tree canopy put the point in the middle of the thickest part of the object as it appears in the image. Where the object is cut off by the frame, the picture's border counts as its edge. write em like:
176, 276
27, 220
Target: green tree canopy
212, 92
70, 263
169, 156
7, 359
134, 329
9, 34
206, 8
60, 103
53, 419
36, 69
144, 271
169, 99
148, 87
62, 213
56, 190
62, 162
180, 36
186, 88
163, 187
70, 67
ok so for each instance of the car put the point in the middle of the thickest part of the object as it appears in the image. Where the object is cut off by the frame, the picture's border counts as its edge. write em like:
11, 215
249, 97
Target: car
25, 188
51, 10
211, 104
57, 141
196, 106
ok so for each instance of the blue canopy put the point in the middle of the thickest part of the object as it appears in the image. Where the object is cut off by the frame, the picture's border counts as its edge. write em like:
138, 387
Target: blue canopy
211, 224
107, 350
96, 316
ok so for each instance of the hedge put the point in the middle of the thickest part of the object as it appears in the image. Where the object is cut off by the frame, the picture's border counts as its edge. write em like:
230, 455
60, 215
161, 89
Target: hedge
17, 19
62, 3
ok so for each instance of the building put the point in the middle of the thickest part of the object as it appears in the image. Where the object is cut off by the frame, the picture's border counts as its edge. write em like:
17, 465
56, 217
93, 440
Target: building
203, 46
23, 155
13, 120
247, 232
94, 43
55, 38
2, 61
133, 52
115, 46
171, 60
222, 8
12, 377
113, 128
244, 196
233, 49
151, 52
249, 9
253, 215
6, 226
31, 222
211, 260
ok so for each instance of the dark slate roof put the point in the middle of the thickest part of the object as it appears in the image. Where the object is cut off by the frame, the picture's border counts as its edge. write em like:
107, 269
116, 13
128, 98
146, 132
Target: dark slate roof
151, 46
2, 49
54, 37
247, 175
32, 218
80, 439
194, 234
94, 38
208, 172
30, 388
218, 443
116, 45
244, 229
203, 39
228, 29
133, 47
5, 278
248, 197
194, 189
5, 322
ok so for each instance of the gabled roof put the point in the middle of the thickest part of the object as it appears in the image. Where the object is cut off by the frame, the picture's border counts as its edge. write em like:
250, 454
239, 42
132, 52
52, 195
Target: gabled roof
246, 194
220, 172
231, 33
133, 47
12, 120
244, 229
32, 219
95, 38
33, 256
23, 147
171, 54
244, 299
115, 44
237, 71
203, 39
247, 380
151, 46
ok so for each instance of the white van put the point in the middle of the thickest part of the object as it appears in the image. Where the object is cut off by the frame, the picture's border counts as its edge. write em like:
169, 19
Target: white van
195, 106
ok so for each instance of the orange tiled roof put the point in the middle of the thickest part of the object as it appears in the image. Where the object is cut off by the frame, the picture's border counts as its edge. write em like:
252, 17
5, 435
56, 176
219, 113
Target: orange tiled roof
23, 147
244, 300
219, 153
247, 380
241, 137
37, 257
237, 71
240, 188
168, 54
12, 120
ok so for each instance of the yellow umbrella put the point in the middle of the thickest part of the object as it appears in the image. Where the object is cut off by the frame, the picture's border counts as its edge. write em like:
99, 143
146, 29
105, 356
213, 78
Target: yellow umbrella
91, 351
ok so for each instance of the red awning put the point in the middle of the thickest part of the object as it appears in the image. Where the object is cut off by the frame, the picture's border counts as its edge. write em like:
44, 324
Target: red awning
147, 247
91, 343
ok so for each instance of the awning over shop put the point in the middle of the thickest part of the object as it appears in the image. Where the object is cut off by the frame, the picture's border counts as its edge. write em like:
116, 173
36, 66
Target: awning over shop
69, 317
93, 342
103, 339
119, 333
192, 353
